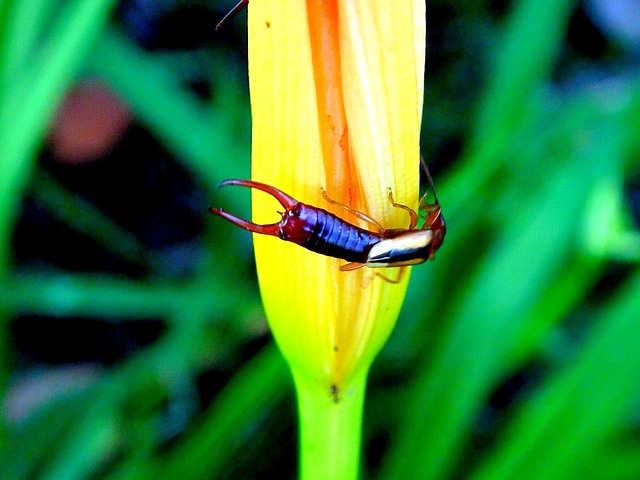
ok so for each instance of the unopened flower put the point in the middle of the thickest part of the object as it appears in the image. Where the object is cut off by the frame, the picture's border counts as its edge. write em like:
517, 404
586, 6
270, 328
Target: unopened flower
336, 98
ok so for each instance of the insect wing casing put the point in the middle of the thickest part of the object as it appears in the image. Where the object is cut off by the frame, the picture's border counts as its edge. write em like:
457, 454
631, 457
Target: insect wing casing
408, 248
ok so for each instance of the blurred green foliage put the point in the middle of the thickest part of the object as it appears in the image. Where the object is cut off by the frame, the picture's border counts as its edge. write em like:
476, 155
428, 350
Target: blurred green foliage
516, 355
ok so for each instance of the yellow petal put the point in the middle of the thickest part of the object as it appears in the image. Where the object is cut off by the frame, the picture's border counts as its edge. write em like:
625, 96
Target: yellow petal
336, 96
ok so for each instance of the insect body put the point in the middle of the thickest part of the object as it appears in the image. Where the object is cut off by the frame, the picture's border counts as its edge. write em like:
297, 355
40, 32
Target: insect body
323, 232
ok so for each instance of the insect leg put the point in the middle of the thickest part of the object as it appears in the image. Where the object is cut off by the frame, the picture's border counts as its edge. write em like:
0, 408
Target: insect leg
433, 211
355, 212
347, 267
398, 279
412, 213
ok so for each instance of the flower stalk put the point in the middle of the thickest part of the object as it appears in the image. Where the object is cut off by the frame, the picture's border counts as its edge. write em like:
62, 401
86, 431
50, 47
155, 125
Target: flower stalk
330, 429
336, 97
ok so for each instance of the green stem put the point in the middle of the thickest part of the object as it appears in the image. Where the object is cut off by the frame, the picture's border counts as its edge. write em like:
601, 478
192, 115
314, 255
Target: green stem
330, 429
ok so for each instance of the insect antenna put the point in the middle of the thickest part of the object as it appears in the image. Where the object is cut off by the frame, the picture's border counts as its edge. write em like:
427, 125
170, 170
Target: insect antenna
239, 6
433, 188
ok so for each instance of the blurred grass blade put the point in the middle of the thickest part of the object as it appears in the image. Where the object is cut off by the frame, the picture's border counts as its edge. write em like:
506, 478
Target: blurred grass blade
621, 461
599, 227
42, 429
97, 296
532, 38
28, 106
197, 134
583, 407
486, 317
78, 213
87, 445
229, 422
563, 293
21, 29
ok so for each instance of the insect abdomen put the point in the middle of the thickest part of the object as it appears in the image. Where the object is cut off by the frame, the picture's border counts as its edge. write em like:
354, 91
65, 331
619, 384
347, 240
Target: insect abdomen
335, 237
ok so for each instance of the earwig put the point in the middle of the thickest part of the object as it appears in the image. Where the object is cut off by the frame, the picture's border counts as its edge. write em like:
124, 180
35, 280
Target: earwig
325, 233
238, 6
